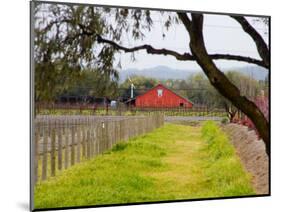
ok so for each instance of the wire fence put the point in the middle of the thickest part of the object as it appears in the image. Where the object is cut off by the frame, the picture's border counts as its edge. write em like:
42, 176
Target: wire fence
127, 110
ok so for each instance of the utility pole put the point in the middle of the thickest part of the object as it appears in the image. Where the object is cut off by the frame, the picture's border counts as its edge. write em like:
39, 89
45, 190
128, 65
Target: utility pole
132, 90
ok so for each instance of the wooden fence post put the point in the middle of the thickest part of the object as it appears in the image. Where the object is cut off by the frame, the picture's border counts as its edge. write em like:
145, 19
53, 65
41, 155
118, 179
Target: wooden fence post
36, 152
45, 153
109, 132
59, 128
101, 137
66, 145
53, 151
117, 132
72, 156
88, 143
84, 134
98, 131
95, 144
79, 129
92, 134
106, 136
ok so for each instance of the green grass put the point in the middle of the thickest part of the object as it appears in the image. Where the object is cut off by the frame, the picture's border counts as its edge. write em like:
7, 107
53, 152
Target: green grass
223, 169
173, 162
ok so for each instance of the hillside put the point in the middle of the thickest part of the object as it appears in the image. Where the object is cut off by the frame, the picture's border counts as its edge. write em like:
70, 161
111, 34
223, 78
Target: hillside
164, 72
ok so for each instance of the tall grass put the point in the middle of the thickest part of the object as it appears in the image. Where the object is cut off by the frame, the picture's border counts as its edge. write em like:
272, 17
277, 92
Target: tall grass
223, 169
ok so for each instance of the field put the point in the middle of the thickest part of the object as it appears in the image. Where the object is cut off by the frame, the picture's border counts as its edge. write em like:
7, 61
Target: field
171, 163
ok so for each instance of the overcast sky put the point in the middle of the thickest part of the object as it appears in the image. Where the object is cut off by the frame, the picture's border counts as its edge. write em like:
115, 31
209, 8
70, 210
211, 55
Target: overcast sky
222, 34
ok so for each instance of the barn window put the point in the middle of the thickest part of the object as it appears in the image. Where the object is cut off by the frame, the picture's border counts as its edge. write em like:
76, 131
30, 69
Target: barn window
181, 104
160, 92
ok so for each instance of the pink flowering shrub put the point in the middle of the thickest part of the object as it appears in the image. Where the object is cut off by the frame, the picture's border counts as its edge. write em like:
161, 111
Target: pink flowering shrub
262, 103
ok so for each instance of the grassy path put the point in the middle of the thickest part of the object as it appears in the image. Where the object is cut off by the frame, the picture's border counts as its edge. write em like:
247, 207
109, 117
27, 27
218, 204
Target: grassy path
173, 162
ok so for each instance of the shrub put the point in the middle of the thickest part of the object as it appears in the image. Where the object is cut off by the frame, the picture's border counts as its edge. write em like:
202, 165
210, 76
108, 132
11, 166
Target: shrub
217, 142
119, 147
224, 120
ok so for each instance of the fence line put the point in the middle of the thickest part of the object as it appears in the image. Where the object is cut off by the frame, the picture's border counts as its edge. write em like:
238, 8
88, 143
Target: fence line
91, 109
63, 141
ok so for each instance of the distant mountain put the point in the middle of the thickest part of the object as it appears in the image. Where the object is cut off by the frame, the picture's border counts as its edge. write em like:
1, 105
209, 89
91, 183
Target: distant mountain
164, 72
158, 72
257, 72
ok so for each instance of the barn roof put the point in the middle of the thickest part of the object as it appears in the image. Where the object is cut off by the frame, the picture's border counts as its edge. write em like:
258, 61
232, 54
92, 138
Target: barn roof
186, 99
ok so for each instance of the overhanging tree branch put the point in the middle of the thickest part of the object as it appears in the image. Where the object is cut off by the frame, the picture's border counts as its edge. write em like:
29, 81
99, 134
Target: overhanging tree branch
260, 44
184, 57
238, 58
149, 49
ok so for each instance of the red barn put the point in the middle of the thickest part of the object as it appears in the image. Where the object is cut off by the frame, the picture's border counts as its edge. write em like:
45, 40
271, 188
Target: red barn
162, 97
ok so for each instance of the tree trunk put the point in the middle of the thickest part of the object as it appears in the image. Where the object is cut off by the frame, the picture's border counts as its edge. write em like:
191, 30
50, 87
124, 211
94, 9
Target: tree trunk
221, 82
